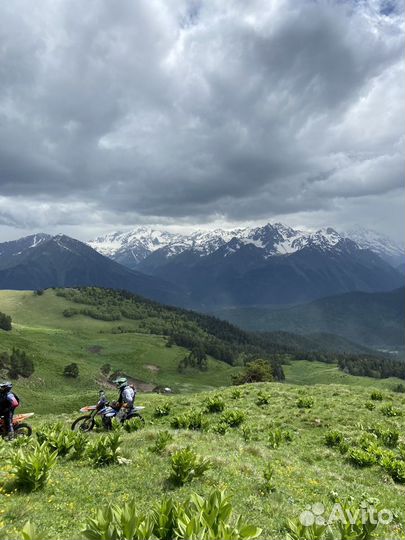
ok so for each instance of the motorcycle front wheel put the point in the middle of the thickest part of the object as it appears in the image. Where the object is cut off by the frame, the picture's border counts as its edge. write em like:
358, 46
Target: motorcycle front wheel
83, 423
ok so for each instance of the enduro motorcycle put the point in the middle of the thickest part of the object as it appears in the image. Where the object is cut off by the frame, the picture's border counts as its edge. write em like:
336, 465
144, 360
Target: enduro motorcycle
21, 428
102, 408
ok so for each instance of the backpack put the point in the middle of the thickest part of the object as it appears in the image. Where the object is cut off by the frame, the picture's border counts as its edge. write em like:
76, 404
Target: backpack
13, 399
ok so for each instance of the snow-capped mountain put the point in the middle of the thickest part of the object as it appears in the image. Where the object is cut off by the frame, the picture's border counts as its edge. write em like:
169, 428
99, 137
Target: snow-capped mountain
131, 248
382, 245
273, 264
16, 247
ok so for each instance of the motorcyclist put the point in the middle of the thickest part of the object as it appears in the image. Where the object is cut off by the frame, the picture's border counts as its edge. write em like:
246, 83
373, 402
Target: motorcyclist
124, 406
9, 401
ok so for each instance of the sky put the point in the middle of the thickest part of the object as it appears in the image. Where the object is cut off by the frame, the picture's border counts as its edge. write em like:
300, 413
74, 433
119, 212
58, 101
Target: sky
200, 113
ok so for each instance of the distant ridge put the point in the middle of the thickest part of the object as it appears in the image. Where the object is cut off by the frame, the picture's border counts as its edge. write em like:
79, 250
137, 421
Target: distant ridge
42, 261
372, 319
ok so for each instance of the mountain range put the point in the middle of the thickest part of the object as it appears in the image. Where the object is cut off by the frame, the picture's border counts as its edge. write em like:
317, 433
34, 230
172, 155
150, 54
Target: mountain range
268, 265
207, 270
133, 247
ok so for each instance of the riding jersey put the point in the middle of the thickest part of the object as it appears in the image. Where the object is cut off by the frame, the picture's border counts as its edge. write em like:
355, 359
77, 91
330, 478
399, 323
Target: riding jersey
127, 396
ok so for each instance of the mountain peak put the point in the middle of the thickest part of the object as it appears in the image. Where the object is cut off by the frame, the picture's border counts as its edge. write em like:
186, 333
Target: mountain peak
274, 239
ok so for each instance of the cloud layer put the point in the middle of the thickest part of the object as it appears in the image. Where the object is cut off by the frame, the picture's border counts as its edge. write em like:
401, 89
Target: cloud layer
192, 111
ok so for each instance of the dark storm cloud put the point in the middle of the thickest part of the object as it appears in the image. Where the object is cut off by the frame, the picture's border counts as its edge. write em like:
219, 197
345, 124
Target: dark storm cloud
119, 112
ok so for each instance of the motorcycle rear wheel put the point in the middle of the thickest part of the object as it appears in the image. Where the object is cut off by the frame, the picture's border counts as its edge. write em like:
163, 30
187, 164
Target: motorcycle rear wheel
83, 423
22, 430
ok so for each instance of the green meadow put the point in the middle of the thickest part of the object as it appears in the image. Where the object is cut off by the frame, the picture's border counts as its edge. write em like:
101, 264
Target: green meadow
320, 433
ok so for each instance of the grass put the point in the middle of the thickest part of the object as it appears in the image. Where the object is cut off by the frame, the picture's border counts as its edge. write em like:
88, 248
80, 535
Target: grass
54, 341
305, 372
305, 470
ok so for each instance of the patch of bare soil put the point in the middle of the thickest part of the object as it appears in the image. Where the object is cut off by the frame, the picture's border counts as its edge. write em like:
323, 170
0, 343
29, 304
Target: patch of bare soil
95, 349
142, 386
152, 368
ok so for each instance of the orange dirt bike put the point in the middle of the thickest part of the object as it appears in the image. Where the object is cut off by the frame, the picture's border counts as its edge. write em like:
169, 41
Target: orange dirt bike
21, 428
88, 421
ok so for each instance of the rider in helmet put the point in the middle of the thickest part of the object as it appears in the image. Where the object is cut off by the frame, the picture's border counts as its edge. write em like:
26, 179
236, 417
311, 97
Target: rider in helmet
123, 407
126, 397
9, 401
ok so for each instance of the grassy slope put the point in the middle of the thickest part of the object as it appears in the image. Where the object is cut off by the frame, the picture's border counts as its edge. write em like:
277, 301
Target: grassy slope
306, 471
306, 372
54, 341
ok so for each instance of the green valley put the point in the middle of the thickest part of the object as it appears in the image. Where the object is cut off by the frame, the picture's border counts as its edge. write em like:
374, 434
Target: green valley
320, 437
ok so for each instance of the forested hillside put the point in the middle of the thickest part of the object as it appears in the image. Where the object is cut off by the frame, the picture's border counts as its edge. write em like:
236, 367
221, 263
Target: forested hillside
368, 318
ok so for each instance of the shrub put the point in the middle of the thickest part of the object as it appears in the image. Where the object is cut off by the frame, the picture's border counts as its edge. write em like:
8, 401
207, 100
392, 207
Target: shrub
5, 321
214, 404
263, 398
17, 364
277, 436
80, 443
333, 438
376, 395
395, 468
71, 370
162, 410
236, 393
31, 467
187, 465
257, 371
196, 517
106, 451
221, 428
133, 424
361, 458
233, 417
370, 405
248, 433
389, 437
122, 522
190, 420
355, 522
57, 439
305, 402
29, 532
268, 473
366, 440
163, 438
344, 447
399, 388
390, 411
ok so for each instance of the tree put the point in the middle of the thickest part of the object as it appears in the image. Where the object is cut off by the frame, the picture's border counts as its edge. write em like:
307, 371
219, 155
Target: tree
71, 370
5, 321
257, 371
21, 364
